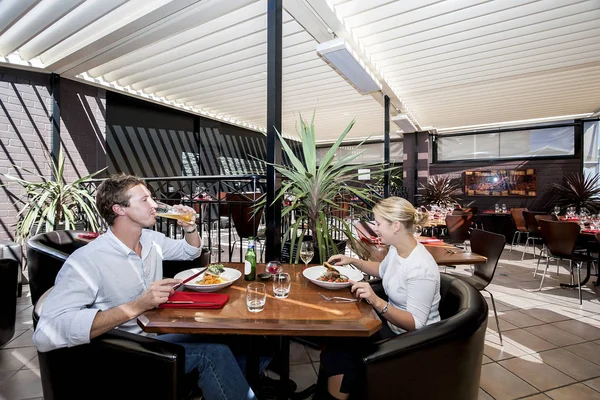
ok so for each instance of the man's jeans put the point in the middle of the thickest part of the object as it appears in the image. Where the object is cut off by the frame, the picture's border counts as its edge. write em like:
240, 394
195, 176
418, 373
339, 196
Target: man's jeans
220, 377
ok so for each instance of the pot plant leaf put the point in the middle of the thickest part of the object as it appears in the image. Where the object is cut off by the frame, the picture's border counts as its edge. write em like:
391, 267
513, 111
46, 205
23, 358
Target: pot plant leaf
578, 190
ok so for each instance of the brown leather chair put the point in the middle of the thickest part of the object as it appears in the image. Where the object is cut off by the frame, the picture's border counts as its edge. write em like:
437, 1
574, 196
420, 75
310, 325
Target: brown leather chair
489, 245
458, 228
560, 238
533, 230
517, 214
432, 362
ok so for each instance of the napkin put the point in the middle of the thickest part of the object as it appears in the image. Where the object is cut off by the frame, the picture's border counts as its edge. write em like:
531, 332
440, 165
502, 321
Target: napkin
590, 230
89, 235
430, 240
200, 300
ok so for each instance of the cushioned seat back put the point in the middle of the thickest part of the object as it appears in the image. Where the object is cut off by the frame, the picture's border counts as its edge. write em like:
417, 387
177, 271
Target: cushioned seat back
46, 254
9, 275
438, 361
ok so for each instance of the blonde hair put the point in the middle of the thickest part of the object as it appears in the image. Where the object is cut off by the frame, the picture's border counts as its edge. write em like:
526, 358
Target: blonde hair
398, 209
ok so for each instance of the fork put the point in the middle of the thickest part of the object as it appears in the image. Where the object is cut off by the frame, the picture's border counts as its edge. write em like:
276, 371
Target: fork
338, 298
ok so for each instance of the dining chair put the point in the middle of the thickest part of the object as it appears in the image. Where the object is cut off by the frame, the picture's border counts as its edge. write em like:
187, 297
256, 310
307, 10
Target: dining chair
458, 228
533, 230
517, 214
489, 245
560, 238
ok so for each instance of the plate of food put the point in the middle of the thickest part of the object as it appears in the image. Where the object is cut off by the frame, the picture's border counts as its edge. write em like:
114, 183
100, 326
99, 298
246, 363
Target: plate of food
332, 277
214, 278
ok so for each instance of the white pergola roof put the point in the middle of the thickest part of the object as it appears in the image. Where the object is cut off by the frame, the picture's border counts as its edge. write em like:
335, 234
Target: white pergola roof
444, 63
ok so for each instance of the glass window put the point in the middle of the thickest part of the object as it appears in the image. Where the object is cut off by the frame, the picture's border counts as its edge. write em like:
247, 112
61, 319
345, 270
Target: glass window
516, 144
591, 147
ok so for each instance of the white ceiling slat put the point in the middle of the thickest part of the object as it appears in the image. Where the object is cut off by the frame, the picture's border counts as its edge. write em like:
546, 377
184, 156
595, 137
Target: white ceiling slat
74, 21
529, 33
131, 19
35, 21
181, 33
12, 10
351, 8
514, 66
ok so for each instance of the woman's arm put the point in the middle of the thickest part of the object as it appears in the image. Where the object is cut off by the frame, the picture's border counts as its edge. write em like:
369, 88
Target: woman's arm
368, 267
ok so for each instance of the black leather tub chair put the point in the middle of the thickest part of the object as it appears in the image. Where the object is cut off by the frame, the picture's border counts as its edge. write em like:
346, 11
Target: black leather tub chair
116, 365
9, 276
438, 361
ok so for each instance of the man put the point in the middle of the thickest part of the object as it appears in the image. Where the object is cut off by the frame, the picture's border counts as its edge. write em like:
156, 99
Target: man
108, 283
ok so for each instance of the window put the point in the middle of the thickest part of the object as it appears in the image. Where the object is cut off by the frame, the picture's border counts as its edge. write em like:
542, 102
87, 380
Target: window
591, 147
558, 141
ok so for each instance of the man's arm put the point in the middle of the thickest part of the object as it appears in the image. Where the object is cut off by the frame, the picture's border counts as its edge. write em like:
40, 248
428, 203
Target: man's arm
157, 293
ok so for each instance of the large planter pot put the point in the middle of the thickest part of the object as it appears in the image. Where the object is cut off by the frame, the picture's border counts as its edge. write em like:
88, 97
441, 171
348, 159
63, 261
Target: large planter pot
286, 251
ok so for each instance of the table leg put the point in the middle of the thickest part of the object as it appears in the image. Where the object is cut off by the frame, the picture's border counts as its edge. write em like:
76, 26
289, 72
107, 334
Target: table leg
252, 363
284, 376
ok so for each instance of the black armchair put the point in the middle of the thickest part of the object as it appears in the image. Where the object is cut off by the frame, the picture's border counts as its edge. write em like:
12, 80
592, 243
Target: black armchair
9, 275
438, 361
116, 365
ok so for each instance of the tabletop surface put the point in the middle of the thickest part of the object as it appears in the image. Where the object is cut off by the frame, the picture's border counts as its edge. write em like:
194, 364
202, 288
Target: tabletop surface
303, 313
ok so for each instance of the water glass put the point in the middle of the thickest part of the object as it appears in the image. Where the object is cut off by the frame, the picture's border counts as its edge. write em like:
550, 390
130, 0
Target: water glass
281, 285
556, 210
496, 208
256, 296
503, 208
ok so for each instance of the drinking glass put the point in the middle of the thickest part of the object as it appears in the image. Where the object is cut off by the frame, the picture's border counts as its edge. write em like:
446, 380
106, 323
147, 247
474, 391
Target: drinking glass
496, 208
418, 231
503, 208
274, 267
167, 211
307, 252
281, 285
256, 296
556, 210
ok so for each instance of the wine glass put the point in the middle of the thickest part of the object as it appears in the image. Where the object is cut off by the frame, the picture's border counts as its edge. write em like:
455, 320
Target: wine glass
307, 252
556, 210
274, 267
418, 230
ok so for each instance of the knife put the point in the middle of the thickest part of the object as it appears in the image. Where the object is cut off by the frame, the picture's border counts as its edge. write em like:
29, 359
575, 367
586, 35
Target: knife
178, 285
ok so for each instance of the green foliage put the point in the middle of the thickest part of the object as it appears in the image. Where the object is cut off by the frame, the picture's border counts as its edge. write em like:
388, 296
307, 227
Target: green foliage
50, 203
315, 191
440, 190
578, 191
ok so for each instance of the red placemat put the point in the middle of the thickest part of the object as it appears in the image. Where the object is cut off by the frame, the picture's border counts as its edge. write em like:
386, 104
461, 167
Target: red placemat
590, 230
195, 300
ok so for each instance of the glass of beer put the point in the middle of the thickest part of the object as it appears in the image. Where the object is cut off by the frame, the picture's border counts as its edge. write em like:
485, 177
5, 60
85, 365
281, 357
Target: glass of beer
167, 211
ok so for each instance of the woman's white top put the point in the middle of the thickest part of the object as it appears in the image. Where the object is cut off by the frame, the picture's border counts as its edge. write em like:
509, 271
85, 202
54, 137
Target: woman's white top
412, 284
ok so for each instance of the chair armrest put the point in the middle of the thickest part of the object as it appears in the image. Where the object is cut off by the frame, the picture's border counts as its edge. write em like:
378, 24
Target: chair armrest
139, 366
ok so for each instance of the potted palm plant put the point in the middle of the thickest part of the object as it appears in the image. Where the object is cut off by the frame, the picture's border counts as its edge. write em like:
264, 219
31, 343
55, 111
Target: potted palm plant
312, 191
51, 205
579, 191
440, 190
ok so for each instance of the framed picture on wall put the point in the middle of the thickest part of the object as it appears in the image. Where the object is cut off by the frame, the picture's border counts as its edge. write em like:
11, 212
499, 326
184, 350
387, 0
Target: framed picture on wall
501, 182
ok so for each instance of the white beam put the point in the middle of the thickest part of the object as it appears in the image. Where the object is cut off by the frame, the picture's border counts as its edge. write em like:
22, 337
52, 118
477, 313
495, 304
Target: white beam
12, 10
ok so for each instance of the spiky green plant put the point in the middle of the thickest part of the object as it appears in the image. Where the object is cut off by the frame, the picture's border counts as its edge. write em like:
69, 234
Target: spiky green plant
50, 203
578, 190
440, 190
314, 190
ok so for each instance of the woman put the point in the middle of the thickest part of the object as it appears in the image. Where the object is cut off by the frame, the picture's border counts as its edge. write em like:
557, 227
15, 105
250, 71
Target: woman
411, 281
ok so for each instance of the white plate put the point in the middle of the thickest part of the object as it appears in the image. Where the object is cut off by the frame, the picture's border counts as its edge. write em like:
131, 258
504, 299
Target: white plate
312, 273
230, 275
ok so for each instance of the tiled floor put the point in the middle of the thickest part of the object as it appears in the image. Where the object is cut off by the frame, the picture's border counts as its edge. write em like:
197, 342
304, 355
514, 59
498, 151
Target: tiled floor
551, 344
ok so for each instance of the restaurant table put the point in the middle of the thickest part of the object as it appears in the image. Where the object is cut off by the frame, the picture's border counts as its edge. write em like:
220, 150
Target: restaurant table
303, 313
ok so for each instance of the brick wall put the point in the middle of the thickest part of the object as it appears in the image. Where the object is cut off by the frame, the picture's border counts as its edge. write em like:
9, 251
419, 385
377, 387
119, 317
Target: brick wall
26, 132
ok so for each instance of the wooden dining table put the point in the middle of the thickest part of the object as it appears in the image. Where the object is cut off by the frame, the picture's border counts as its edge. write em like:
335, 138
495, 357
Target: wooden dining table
303, 313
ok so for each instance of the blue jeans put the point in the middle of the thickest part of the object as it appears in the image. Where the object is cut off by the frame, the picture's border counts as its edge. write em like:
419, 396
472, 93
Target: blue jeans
220, 377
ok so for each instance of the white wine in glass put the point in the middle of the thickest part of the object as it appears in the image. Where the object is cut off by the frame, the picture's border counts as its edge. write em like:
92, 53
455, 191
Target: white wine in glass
307, 252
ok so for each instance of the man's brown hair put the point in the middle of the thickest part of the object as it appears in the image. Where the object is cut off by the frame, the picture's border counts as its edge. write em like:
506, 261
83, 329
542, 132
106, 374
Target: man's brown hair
114, 191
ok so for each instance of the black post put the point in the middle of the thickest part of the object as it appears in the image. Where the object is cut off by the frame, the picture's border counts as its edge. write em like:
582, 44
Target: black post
55, 119
274, 98
386, 145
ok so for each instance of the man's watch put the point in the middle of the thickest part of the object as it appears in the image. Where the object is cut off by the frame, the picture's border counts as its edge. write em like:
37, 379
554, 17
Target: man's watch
192, 231
384, 309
